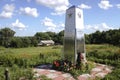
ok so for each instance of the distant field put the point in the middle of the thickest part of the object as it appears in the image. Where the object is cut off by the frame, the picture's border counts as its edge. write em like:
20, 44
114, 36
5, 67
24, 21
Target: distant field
36, 50
32, 50
54, 49
105, 47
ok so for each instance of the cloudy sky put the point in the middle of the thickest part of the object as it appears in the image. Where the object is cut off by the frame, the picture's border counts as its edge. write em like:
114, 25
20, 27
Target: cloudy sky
26, 17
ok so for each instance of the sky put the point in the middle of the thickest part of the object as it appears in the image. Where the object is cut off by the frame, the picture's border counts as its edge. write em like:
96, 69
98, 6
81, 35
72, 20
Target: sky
26, 17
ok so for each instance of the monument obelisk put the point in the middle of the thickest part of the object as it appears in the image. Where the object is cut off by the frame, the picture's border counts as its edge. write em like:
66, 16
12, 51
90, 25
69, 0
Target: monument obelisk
74, 41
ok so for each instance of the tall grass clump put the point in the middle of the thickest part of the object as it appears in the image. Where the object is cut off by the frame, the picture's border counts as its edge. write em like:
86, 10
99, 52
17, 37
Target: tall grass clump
20, 61
106, 54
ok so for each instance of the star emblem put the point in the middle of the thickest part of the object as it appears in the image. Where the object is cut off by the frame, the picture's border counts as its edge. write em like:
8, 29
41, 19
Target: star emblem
70, 14
79, 15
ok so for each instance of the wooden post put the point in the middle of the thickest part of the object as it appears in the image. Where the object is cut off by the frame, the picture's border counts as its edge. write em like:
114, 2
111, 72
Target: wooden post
6, 74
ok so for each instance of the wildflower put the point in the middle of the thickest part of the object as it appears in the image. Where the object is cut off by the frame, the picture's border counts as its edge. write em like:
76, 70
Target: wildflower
56, 63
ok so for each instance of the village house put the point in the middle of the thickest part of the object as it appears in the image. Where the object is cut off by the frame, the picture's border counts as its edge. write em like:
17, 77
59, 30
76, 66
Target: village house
46, 43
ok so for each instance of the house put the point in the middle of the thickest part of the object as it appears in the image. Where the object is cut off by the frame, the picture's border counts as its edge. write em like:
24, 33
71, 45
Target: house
46, 43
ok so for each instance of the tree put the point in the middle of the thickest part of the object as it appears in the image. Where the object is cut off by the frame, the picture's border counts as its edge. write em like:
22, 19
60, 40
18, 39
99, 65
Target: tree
97, 37
59, 37
104, 37
51, 35
19, 42
42, 36
87, 39
5, 36
25, 42
33, 41
16, 42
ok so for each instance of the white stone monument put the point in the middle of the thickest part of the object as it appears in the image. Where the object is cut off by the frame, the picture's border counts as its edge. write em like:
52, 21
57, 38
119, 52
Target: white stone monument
74, 42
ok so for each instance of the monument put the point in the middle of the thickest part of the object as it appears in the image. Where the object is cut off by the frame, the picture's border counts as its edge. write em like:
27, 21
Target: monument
74, 42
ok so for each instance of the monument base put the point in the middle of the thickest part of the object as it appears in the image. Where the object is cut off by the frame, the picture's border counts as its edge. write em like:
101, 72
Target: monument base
65, 65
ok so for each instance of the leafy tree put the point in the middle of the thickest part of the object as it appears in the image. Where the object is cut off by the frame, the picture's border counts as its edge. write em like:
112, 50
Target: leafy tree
105, 37
42, 36
16, 42
59, 37
96, 37
33, 41
51, 34
5, 36
87, 39
25, 42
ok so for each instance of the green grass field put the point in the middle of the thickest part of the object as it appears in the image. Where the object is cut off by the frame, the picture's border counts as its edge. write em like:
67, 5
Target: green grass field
20, 59
32, 50
54, 49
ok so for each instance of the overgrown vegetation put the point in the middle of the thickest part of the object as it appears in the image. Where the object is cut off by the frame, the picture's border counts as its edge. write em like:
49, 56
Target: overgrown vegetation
17, 73
84, 69
106, 54
28, 57
21, 53
20, 61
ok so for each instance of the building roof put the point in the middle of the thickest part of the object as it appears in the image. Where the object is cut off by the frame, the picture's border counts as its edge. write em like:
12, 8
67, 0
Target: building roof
47, 41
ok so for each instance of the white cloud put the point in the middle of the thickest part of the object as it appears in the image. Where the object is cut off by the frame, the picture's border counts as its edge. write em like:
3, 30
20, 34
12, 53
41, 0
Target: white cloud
59, 6
118, 5
49, 23
62, 25
7, 12
84, 6
52, 26
9, 8
29, 11
104, 4
100, 27
59, 10
17, 24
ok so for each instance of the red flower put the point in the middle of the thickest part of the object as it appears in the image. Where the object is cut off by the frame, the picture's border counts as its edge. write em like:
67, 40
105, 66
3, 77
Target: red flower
56, 63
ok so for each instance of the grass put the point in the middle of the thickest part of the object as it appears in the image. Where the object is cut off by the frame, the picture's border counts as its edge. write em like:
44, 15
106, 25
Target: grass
101, 47
50, 49
31, 56
33, 50
106, 54
19, 60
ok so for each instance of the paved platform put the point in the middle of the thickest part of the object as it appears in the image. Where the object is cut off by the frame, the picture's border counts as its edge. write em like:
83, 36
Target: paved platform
99, 71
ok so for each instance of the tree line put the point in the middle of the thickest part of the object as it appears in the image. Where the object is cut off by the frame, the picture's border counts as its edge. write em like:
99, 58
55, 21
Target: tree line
7, 38
105, 37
